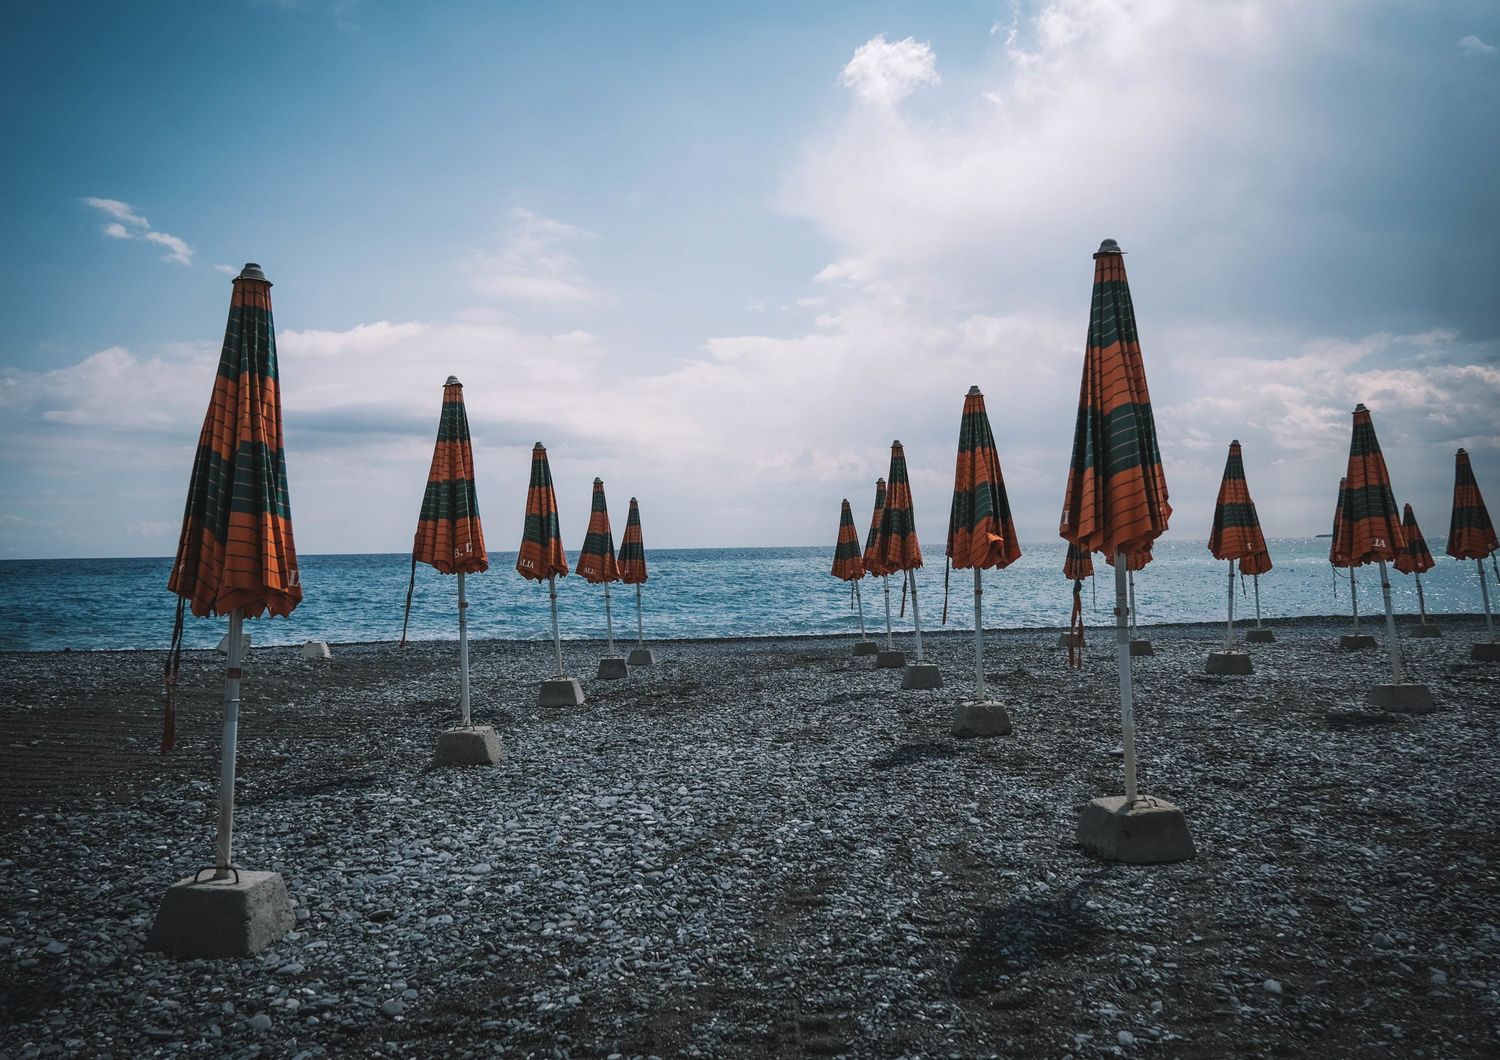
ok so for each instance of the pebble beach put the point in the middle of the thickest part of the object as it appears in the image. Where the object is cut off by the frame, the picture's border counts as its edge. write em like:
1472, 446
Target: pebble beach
763, 847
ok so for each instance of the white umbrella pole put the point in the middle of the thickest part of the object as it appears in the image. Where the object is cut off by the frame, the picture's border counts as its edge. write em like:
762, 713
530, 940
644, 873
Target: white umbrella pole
609, 622
916, 621
1255, 579
640, 628
1130, 579
1390, 626
1421, 600
860, 603
556, 636
1122, 654
224, 841
979, 696
1229, 629
1484, 587
1353, 599
889, 643
463, 649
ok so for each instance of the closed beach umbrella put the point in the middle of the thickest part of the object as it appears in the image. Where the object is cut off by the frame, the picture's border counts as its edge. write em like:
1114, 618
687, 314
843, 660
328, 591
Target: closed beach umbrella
1338, 555
1077, 565
1116, 499
449, 537
541, 557
848, 562
1471, 535
236, 554
1371, 527
896, 545
596, 560
1415, 559
1236, 535
632, 565
873, 563
981, 533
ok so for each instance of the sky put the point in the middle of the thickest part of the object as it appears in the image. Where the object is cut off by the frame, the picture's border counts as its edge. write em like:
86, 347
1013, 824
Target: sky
721, 255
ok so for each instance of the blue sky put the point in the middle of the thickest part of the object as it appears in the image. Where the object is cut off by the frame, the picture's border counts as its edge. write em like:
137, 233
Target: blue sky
722, 254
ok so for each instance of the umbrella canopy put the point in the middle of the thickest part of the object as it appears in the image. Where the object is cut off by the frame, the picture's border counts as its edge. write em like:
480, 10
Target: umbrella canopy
1236, 531
1134, 561
449, 536
1079, 564
847, 561
981, 532
1415, 558
596, 560
871, 558
1338, 554
1471, 535
1116, 499
632, 561
1371, 529
541, 555
896, 545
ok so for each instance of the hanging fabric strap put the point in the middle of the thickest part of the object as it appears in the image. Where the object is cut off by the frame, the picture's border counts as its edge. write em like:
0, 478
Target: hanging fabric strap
851, 595
1075, 628
409, 587
169, 675
947, 566
1335, 572
904, 575
1094, 588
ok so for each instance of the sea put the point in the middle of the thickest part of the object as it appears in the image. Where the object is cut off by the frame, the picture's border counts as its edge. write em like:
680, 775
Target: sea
98, 604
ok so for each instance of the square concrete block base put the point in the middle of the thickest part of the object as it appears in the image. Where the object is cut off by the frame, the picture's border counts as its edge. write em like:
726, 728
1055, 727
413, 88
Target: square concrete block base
980, 719
223, 646
316, 649
889, 660
1259, 636
1068, 640
922, 675
1486, 651
560, 692
1150, 832
1404, 699
1141, 647
1356, 641
1228, 662
232, 917
475, 746
612, 668
641, 657
866, 647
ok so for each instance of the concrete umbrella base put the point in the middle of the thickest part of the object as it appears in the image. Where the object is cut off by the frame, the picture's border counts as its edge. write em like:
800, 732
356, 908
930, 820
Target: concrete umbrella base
922, 675
866, 647
612, 668
236, 916
1065, 639
1150, 832
1228, 662
980, 719
1259, 636
560, 692
475, 746
1356, 641
641, 657
1486, 651
1141, 647
889, 660
1403, 699
1424, 631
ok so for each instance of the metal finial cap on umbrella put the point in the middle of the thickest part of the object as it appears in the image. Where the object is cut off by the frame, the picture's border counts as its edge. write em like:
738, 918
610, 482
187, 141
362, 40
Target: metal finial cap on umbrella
1234, 441
1109, 246
251, 271
973, 390
598, 481
453, 381
1360, 407
1462, 451
538, 445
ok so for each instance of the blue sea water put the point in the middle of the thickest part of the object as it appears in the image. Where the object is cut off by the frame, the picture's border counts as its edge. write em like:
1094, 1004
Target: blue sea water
48, 605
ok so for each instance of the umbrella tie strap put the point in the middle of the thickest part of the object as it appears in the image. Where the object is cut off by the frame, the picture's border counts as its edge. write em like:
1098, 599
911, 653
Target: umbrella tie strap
1075, 628
947, 565
411, 585
169, 675
904, 576
851, 594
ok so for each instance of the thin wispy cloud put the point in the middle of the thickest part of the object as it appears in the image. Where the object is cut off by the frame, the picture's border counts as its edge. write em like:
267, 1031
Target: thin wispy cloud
1472, 45
535, 262
127, 223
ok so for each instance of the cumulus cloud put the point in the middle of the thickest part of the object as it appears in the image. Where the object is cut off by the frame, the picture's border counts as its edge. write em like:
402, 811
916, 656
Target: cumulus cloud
884, 73
1472, 45
128, 223
535, 262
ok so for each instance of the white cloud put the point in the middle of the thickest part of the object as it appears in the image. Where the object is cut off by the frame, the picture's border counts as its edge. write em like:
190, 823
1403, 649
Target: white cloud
883, 74
1472, 45
227, 270
127, 223
534, 263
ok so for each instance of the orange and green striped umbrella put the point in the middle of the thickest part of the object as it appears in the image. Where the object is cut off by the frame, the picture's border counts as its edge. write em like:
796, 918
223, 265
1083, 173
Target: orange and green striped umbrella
1078, 565
981, 532
541, 555
896, 545
847, 561
632, 560
449, 536
1415, 558
1471, 535
1136, 560
1236, 533
1372, 522
1338, 554
1116, 499
872, 556
596, 560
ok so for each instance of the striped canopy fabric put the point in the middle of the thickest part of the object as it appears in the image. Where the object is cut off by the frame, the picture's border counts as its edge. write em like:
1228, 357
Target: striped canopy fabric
1471, 535
541, 555
596, 560
1372, 522
897, 545
848, 563
1116, 499
1337, 553
1415, 558
1236, 531
981, 532
1134, 561
632, 560
1078, 565
236, 548
872, 562
449, 536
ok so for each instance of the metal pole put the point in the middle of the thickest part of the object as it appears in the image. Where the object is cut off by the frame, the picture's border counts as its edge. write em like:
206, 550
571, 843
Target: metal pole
1229, 629
860, 602
890, 645
640, 629
609, 621
224, 841
1354, 599
916, 621
1122, 654
556, 636
1390, 626
1255, 580
1421, 600
463, 649
1489, 619
1130, 578
979, 696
